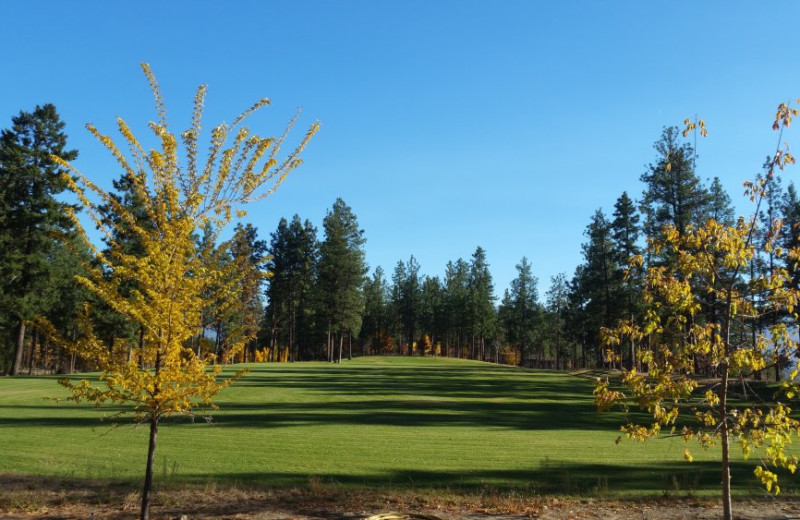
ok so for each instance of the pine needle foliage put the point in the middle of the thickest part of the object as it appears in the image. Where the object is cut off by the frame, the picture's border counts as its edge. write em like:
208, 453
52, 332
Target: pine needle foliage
172, 280
693, 354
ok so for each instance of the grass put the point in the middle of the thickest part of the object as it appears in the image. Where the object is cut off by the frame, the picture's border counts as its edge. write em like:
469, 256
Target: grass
388, 423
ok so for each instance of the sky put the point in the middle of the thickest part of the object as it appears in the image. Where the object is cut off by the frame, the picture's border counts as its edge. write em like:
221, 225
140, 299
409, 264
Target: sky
446, 125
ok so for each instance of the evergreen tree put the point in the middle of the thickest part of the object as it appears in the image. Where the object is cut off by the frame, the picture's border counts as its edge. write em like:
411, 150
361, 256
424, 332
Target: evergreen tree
598, 277
456, 301
342, 268
523, 311
790, 215
432, 310
290, 312
375, 325
719, 205
557, 302
481, 303
627, 280
576, 319
248, 254
406, 296
673, 193
30, 216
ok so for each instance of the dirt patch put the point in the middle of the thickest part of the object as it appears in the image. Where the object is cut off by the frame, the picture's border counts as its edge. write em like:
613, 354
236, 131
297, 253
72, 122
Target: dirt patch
29, 497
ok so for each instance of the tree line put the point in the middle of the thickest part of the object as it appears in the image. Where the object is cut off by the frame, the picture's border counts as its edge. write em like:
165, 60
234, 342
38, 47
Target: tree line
308, 293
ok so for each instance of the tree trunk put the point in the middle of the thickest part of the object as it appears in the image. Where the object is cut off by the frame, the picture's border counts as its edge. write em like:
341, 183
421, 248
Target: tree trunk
341, 347
141, 345
34, 345
329, 346
199, 340
723, 416
148, 475
350, 346
558, 346
15, 368
726, 465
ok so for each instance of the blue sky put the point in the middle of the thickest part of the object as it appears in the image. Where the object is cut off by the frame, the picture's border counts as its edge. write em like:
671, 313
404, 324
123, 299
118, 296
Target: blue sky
445, 125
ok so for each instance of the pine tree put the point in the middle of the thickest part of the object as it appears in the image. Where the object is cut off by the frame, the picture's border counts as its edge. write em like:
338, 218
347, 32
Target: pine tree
30, 214
456, 284
290, 307
627, 280
790, 215
673, 194
481, 303
406, 297
598, 279
557, 302
248, 255
432, 310
524, 311
342, 268
719, 205
375, 325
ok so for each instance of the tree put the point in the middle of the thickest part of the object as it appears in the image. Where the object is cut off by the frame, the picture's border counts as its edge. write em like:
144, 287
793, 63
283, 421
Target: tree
710, 260
481, 303
627, 281
170, 283
293, 264
719, 206
406, 297
374, 327
432, 310
599, 277
790, 215
342, 268
456, 285
523, 311
673, 195
30, 215
248, 255
557, 302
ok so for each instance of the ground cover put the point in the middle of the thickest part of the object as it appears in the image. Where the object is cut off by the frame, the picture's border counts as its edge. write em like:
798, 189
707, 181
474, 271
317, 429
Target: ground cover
388, 423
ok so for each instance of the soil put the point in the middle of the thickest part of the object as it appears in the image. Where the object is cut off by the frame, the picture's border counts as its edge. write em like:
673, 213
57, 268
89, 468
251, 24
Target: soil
28, 497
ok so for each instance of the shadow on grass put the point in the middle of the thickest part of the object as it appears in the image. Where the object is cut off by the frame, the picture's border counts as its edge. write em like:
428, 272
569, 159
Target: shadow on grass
409, 413
550, 478
439, 395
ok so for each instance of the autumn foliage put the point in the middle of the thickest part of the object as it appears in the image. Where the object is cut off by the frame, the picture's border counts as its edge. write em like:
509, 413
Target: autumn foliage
165, 288
698, 301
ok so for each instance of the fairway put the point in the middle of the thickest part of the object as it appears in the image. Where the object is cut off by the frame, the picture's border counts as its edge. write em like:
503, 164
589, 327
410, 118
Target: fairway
378, 422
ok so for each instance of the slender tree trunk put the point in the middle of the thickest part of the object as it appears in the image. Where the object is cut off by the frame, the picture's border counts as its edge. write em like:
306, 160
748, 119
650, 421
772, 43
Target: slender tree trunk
558, 344
350, 346
726, 465
200, 340
148, 475
329, 345
141, 345
341, 347
72, 355
15, 368
151, 448
34, 346
583, 352
723, 418
46, 356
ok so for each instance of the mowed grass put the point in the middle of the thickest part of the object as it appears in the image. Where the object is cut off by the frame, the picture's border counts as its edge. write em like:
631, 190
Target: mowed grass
376, 422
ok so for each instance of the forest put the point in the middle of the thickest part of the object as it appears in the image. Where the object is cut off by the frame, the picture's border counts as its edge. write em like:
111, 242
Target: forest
306, 293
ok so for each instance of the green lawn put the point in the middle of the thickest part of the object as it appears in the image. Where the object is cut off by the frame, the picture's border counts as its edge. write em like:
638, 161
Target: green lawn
384, 422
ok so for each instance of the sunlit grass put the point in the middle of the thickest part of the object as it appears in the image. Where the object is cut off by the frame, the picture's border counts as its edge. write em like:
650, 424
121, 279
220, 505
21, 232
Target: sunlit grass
384, 422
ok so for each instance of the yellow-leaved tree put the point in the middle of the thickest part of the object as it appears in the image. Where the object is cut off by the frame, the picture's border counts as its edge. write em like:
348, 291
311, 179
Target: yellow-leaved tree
164, 287
694, 345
